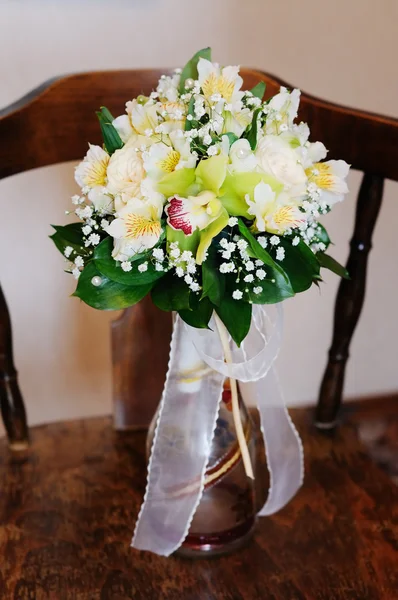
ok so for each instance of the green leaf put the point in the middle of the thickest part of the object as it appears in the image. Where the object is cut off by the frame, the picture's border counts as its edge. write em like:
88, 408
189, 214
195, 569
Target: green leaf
328, 262
300, 264
69, 235
199, 315
110, 295
251, 134
112, 269
176, 182
259, 90
322, 235
273, 291
237, 185
190, 71
210, 232
112, 139
213, 282
210, 173
236, 316
191, 111
171, 293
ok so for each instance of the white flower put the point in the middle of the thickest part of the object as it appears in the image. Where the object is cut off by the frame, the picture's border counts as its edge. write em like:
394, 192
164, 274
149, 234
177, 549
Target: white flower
162, 159
213, 150
232, 221
91, 172
330, 178
126, 266
274, 240
277, 158
188, 279
227, 267
283, 107
241, 157
249, 278
159, 267
76, 273
296, 240
68, 251
94, 239
168, 87
260, 273
280, 253
180, 272
273, 214
87, 229
142, 116
102, 200
158, 253
237, 295
213, 80
143, 267
262, 241
125, 173
195, 287
249, 265
258, 290
79, 262
136, 228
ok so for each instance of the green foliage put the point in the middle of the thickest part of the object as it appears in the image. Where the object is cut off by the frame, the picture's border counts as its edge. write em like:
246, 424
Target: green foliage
322, 235
112, 139
191, 111
69, 235
200, 313
111, 268
300, 264
277, 285
190, 71
110, 295
328, 262
236, 316
251, 134
213, 282
171, 293
259, 90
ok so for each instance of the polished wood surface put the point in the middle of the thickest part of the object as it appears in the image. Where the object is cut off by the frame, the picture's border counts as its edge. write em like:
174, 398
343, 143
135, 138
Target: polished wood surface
67, 515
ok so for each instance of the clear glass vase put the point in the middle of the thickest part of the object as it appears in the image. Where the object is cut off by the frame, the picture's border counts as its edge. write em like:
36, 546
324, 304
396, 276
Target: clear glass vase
226, 515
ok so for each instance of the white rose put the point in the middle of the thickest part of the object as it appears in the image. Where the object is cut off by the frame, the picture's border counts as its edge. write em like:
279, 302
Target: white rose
241, 156
125, 173
277, 158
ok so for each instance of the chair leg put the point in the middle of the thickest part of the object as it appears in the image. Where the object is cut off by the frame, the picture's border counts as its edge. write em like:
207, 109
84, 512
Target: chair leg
11, 401
349, 301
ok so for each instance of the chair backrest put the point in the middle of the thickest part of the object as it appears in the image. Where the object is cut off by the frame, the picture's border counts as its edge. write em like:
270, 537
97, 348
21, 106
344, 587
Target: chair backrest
55, 122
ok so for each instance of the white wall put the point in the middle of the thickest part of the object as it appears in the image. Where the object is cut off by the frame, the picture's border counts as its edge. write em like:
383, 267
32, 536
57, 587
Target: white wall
342, 51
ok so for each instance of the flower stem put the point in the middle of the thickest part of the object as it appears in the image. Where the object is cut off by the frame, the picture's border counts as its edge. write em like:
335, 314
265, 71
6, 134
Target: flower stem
235, 401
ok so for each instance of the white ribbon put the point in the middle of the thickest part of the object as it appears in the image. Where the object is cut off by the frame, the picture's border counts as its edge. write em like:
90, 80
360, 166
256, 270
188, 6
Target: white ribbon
187, 419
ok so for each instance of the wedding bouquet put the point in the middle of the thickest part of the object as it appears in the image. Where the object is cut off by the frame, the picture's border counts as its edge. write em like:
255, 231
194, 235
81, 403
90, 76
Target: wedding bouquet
205, 196
208, 198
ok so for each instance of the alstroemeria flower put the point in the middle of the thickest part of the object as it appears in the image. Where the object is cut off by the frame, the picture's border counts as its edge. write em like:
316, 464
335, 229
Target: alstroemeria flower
213, 80
276, 157
161, 159
125, 173
273, 213
329, 177
91, 172
236, 120
194, 212
102, 200
282, 110
137, 227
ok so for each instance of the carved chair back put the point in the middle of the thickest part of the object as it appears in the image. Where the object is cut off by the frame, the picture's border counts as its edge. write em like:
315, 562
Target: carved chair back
55, 122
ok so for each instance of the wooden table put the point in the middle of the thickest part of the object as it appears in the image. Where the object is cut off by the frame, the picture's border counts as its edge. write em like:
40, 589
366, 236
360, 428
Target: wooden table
67, 514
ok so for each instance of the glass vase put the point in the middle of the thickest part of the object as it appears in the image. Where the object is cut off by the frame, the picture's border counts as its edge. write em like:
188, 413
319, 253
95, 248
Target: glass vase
226, 515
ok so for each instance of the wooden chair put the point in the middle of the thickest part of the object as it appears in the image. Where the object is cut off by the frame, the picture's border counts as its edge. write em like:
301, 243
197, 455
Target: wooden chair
66, 518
